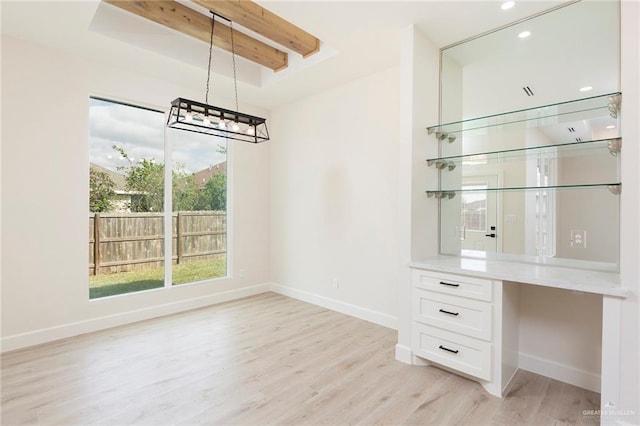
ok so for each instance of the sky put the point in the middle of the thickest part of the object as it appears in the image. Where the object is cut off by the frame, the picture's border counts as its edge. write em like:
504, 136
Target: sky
141, 133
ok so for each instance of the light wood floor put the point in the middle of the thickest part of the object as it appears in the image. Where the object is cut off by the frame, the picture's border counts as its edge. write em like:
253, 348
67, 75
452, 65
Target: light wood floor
266, 359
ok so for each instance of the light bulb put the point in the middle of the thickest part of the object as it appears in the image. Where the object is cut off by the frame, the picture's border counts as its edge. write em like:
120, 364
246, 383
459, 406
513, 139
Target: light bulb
611, 126
251, 131
235, 127
524, 34
222, 125
585, 88
188, 118
206, 122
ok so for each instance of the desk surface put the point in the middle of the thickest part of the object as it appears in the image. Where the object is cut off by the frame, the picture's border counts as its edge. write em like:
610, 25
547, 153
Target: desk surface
547, 275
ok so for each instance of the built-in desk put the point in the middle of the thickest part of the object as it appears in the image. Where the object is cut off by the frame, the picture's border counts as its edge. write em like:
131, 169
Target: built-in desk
465, 313
590, 277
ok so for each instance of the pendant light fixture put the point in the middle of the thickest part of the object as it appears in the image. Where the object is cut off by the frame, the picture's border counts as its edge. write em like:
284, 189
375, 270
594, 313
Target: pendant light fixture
201, 117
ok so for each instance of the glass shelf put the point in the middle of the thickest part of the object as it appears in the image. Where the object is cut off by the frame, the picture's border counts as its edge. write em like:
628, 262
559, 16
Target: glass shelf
609, 104
614, 188
571, 149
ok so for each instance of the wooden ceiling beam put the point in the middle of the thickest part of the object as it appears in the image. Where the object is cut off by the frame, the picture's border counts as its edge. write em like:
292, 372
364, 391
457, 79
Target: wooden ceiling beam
267, 24
185, 20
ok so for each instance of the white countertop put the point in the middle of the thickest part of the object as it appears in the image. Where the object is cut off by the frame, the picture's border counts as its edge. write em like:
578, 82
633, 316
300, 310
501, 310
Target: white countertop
547, 275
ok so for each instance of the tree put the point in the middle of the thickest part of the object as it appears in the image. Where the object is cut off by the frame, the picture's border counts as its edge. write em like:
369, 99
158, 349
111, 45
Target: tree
101, 191
185, 195
214, 195
145, 179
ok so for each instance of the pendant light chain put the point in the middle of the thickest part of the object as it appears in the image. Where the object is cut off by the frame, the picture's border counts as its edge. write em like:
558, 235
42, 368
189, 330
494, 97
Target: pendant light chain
233, 57
206, 96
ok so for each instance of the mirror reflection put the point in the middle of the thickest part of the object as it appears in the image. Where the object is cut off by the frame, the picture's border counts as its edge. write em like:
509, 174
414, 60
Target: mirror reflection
529, 138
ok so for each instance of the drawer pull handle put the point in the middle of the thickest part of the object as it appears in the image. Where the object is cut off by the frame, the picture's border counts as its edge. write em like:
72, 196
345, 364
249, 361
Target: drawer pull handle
455, 314
449, 284
448, 350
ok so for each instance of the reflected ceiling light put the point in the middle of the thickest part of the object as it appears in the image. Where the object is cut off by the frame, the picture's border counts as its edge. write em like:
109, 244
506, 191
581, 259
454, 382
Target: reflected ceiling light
507, 5
585, 88
524, 34
611, 126
199, 117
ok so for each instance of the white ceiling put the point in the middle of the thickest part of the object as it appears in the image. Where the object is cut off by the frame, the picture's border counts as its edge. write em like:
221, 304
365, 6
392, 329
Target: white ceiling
359, 37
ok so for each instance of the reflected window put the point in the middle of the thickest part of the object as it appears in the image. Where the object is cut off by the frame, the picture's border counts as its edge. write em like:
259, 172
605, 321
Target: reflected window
474, 207
546, 173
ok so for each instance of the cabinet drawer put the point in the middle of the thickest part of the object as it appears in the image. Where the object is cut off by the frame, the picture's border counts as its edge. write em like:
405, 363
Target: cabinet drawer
462, 353
458, 314
458, 285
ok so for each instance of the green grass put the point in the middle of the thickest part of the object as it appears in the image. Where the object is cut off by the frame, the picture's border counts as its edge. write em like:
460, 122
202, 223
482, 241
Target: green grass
126, 282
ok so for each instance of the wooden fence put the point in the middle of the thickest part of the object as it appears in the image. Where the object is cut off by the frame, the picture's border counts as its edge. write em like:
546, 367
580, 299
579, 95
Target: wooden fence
121, 242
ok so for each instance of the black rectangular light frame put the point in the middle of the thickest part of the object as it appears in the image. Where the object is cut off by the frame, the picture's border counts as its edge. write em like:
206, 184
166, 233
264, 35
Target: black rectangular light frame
198, 117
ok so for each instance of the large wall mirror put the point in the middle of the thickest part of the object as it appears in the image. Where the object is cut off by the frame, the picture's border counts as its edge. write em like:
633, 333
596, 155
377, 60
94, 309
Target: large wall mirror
529, 138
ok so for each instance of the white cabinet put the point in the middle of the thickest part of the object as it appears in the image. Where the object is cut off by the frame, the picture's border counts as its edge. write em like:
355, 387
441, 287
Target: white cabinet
453, 350
457, 323
469, 287
454, 313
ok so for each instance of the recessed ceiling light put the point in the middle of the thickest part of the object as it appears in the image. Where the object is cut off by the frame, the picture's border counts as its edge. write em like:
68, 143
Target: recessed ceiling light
507, 5
611, 127
585, 88
524, 34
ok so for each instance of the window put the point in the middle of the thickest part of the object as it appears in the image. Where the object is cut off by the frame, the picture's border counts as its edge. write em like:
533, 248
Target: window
127, 197
199, 200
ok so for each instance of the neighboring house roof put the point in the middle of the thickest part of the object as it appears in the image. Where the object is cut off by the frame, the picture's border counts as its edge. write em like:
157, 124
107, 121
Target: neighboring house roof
117, 178
204, 175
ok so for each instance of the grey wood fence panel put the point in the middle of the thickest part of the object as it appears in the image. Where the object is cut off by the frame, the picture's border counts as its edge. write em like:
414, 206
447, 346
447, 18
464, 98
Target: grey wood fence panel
129, 241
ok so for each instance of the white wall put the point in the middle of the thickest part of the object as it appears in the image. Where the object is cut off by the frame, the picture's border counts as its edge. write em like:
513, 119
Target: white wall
45, 165
561, 334
629, 360
417, 215
333, 197
595, 211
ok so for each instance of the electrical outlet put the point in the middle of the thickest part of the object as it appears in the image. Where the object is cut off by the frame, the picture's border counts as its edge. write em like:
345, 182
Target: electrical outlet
578, 238
336, 283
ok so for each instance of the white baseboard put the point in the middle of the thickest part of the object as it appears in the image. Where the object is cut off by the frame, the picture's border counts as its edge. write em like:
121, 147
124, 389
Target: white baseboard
404, 354
45, 335
23, 340
375, 317
562, 372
